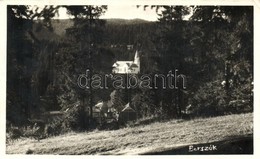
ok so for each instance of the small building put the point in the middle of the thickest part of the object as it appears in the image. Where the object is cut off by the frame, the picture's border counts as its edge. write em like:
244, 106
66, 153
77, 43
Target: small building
127, 114
130, 47
99, 111
104, 111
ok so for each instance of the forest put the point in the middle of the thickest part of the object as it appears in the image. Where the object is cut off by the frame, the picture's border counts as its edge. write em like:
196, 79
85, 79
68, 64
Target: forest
45, 56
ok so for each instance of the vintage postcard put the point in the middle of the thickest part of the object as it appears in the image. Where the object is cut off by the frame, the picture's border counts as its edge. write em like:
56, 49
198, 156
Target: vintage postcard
129, 78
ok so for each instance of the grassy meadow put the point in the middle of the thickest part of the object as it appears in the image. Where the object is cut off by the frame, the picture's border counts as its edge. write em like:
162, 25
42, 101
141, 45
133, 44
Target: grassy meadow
140, 139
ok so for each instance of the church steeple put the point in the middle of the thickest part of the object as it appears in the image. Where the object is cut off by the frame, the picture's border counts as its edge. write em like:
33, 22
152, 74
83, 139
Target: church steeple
137, 60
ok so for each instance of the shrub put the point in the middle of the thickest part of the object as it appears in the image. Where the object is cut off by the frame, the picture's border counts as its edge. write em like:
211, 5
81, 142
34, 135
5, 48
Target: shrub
13, 133
76, 119
54, 128
29, 151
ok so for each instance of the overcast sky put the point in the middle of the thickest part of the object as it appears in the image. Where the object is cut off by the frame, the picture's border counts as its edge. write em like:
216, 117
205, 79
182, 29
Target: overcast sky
122, 12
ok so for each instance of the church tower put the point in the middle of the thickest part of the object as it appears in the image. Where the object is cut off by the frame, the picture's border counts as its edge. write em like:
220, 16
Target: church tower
137, 60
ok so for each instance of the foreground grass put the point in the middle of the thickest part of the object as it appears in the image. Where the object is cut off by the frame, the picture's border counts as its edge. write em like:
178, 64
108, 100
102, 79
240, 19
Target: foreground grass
140, 139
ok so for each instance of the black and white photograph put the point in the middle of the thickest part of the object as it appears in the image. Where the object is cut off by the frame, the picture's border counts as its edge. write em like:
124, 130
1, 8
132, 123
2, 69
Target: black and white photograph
129, 79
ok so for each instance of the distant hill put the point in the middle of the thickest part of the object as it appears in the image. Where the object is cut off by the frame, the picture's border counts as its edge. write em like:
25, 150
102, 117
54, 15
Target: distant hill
43, 33
126, 21
60, 25
117, 32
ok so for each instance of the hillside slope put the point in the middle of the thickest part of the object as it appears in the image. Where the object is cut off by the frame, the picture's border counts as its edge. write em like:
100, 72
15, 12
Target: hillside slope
147, 139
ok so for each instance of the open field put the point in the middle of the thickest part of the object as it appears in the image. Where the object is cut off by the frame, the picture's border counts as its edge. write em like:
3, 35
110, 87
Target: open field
144, 139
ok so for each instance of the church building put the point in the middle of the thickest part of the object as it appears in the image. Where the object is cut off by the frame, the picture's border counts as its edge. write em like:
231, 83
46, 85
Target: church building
127, 67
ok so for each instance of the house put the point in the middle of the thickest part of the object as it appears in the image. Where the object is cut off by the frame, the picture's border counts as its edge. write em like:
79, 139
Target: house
130, 47
127, 114
127, 67
104, 111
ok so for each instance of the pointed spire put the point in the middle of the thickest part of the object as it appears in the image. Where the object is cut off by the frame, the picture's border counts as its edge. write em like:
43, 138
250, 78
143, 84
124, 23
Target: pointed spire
137, 58
137, 61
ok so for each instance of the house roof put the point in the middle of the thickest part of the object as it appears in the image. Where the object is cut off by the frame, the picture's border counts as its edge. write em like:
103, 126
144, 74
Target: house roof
97, 107
128, 108
99, 104
53, 113
102, 105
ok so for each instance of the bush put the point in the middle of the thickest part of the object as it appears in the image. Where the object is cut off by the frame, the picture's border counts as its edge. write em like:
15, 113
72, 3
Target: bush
33, 130
54, 128
112, 125
13, 133
76, 119
29, 151
27, 131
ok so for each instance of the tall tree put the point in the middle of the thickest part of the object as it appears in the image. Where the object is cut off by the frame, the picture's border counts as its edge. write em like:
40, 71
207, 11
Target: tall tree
172, 47
226, 53
85, 52
22, 58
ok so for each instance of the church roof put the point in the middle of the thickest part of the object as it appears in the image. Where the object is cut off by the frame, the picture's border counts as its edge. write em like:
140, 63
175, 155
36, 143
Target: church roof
122, 63
128, 64
134, 65
115, 65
